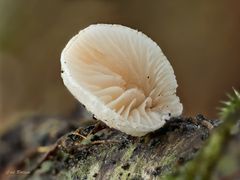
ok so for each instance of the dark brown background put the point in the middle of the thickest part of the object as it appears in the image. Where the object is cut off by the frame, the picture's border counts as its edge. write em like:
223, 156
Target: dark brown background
200, 38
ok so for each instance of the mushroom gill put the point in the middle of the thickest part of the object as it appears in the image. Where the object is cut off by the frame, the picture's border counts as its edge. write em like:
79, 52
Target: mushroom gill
122, 77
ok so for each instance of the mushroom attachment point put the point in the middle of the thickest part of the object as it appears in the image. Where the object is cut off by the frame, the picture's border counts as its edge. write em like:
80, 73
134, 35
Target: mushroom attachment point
122, 77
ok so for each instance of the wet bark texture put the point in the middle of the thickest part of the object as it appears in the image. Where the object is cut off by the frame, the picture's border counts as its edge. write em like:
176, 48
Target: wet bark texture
58, 148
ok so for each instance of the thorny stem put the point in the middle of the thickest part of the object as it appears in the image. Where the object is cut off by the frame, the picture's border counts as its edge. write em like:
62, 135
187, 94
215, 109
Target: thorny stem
202, 166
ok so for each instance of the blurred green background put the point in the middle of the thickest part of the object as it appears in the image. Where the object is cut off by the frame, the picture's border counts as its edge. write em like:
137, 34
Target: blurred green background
200, 38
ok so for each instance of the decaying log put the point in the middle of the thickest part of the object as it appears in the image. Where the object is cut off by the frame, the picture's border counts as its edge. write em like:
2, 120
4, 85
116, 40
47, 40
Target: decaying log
98, 152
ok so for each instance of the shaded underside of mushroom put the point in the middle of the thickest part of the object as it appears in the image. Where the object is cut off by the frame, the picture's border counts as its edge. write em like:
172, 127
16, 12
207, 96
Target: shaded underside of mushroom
122, 77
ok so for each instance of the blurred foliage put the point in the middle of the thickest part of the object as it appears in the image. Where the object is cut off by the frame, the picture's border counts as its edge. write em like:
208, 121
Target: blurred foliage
221, 148
231, 109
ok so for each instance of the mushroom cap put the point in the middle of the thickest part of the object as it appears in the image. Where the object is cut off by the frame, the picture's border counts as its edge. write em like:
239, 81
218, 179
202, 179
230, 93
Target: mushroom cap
122, 77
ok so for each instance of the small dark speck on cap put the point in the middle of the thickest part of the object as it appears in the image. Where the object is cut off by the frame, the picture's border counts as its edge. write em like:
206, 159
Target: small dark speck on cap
93, 116
148, 77
62, 71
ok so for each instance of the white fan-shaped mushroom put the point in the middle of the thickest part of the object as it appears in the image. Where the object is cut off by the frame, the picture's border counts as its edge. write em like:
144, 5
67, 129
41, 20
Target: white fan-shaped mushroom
122, 77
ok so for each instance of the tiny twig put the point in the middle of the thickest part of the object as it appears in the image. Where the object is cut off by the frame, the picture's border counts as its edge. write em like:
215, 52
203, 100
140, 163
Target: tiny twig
104, 141
207, 124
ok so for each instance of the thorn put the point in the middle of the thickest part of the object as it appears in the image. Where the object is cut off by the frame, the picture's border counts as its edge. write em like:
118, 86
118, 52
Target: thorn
236, 93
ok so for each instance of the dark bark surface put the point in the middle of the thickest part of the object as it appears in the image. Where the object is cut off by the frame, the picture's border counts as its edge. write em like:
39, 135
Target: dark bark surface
98, 152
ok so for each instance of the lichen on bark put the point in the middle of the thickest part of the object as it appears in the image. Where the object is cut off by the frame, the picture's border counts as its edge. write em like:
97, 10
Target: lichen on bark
98, 152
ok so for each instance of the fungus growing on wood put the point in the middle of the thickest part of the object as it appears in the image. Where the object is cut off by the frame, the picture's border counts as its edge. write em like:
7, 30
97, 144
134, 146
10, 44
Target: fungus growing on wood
122, 77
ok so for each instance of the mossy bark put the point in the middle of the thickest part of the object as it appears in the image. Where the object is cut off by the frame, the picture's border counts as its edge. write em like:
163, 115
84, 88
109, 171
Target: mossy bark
98, 152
